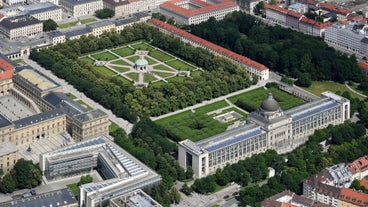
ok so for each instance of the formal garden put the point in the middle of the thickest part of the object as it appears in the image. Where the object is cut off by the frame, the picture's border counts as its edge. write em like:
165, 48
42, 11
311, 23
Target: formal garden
203, 122
140, 63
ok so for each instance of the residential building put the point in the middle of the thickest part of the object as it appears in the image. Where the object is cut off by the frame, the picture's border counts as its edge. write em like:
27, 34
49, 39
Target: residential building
8, 155
267, 128
359, 168
280, 16
59, 198
298, 7
122, 172
79, 8
252, 67
134, 199
351, 198
196, 11
247, 5
290, 199
349, 38
20, 26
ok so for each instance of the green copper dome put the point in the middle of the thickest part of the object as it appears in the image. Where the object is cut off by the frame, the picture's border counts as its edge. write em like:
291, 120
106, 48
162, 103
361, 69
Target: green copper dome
141, 62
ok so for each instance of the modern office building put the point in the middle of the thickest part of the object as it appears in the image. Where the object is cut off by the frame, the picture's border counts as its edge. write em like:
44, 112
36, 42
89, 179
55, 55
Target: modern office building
15, 27
135, 198
196, 11
252, 67
121, 171
267, 128
80, 8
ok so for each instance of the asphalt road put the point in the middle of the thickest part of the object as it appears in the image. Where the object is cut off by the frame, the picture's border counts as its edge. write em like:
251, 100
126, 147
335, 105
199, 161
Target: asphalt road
70, 89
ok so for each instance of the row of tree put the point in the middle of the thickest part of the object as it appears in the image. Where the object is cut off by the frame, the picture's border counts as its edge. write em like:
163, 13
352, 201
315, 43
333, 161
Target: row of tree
284, 50
219, 77
24, 174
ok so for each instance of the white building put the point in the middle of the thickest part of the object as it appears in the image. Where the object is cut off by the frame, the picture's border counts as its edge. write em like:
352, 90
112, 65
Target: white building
20, 26
196, 11
122, 172
13, 2
79, 8
267, 128
41, 11
350, 38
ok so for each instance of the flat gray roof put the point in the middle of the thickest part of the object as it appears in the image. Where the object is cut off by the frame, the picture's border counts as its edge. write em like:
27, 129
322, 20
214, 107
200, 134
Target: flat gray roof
55, 198
78, 32
100, 24
77, 2
55, 33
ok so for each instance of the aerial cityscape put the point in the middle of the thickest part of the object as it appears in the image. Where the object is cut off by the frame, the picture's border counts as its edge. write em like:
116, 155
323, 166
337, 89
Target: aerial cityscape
183, 103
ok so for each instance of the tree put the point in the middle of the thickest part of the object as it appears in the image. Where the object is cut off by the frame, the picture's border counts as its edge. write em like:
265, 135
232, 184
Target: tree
49, 25
258, 9
189, 172
175, 196
84, 180
26, 174
105, 13
7, 184
186, 189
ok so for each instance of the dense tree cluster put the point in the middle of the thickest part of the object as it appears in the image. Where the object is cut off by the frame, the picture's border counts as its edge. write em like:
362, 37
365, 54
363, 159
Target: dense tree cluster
219, 77
84, 180
49, 25
284, 50
105, 13
25, 174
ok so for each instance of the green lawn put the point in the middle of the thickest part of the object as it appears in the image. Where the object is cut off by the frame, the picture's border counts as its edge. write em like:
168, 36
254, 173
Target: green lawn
113, 127
180, 65
136, 57
162, 67
122, 79
196, 73
148, 78
104, 71
142, 46
193, 126
211, 107
89, 108
157, 83
161, 56
86, 21
124, 51
162, 74
177, 78
120, 69
121, 62
252, 100
74, 188
133, 76
70, 95
88, 60
20, 62
105, 56
319, 87
66, 25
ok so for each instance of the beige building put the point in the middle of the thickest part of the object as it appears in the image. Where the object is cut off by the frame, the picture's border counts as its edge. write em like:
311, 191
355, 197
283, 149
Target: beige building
41, 11
98, 28
79, 8
20, 26
56, 37
8, 156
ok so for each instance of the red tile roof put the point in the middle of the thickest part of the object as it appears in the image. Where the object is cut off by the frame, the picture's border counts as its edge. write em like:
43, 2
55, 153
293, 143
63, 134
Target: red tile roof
207, 44
360, 164
353, 197
355, 17
171, 6
333, 8
364, 183
314, 23
309, 2
6, 69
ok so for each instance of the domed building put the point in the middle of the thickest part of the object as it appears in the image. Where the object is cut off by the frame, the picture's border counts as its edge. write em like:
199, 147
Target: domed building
141, 64
270, 107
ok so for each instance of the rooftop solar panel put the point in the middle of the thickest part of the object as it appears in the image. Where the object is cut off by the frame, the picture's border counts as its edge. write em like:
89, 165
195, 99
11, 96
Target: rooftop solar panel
313, 111
233, 140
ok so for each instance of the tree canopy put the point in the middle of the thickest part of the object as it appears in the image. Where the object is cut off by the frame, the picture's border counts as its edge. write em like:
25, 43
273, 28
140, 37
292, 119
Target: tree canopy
105, 13
49, 25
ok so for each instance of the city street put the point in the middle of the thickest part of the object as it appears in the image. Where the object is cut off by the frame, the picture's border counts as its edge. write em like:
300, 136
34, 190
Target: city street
70, 89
